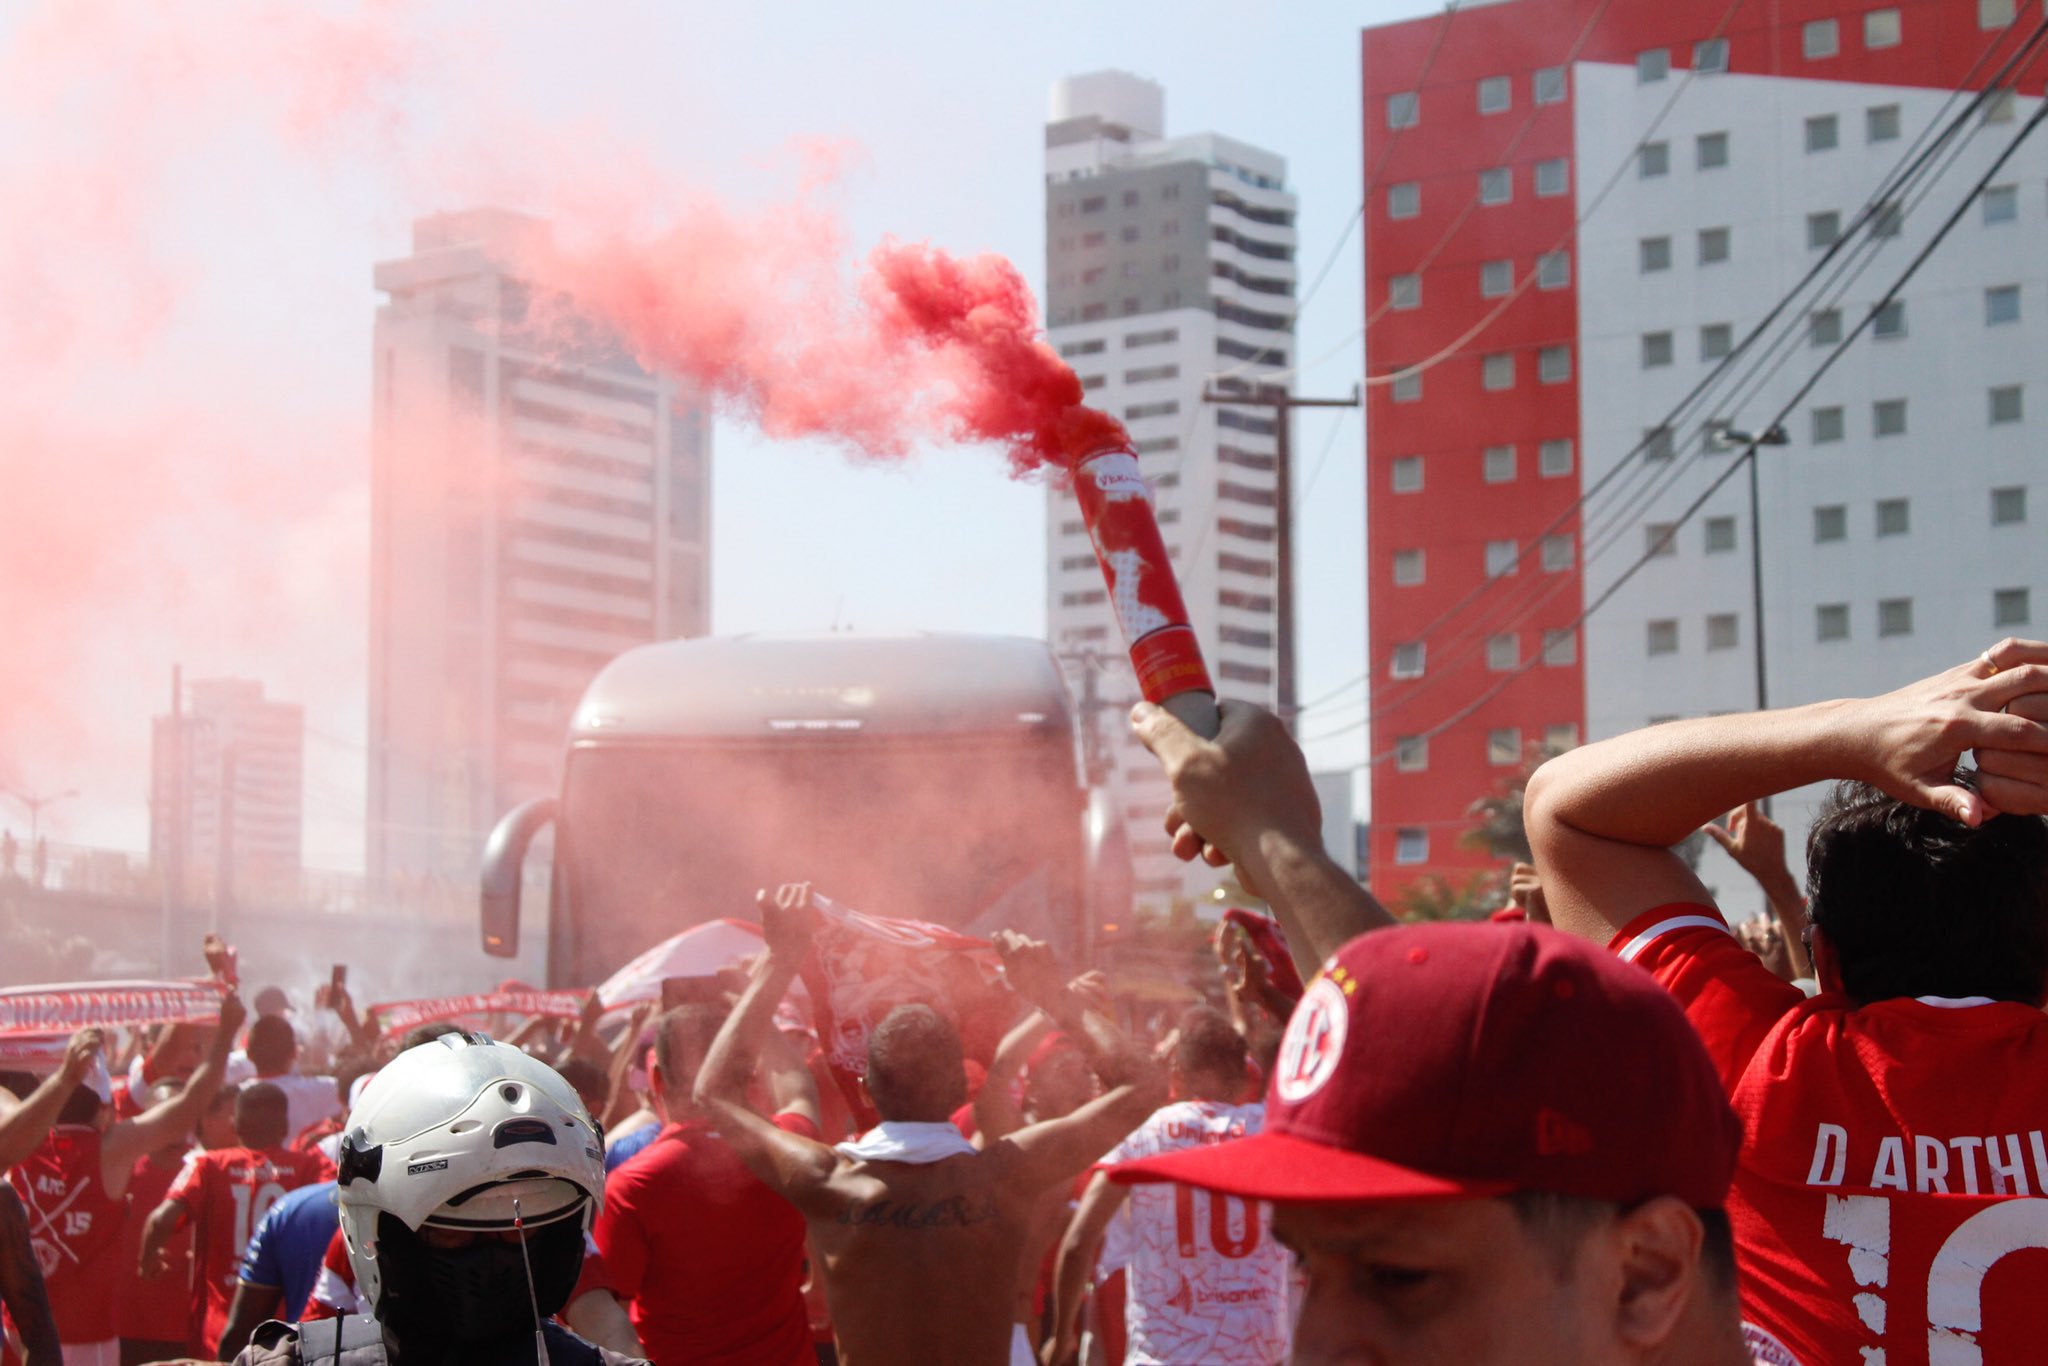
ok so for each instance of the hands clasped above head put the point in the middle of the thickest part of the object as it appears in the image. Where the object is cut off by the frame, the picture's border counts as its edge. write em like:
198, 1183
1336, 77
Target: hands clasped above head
1994, 706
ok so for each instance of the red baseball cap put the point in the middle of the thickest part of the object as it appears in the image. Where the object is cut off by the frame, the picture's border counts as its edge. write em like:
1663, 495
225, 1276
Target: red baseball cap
1467, 1060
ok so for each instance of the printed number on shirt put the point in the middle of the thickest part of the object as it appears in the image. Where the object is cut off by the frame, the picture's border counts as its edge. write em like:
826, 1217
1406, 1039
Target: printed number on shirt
250, 1207
1955, 1280
1220, 1236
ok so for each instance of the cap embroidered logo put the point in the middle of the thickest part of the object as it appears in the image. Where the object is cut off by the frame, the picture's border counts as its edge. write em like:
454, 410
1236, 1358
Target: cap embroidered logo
1313, 1043
1557, 1136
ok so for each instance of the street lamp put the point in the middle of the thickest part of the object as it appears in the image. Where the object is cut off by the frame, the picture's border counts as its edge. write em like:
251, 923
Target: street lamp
35, 802
1727, 437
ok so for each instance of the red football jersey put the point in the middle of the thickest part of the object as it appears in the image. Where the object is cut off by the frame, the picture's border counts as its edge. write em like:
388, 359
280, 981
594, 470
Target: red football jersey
1891, 1202
226, 1192
158, 1309
74, 1229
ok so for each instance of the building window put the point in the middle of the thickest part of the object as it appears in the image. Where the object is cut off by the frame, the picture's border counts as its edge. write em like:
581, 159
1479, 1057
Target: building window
1497, 371
1407, 474
1496, 278
1094, 203
1411, 753
1497, 464
1553, 177
2008, 506
1129, 232
1495, 95
1554, 270
1404, 291
1501, 557
1888, 417
2001, 305
1093, 346
1406, 387
1821, 38
1146, 373
1659, 444
1831, 621
1830, 522
1554, 458
2005, 403
1887, 219
1653, 254
1503, 652
2010, 607
1411, 845
1558, 739
1881, 28
2001, 203
1999, 106
1713, 245
1710, 151
1496, 186
1710, 56
1660, 637
1549, 85
1504, 746
1823, 229
1656, 349
1720, 534
1138, 412
1408, 568
1653, 159
1652, 65
1557, 554
1407, 661
1894, 517
1827, 424
1554, 364
1823, 133
1890, 320
1660, 539
1824, 326
1895, 617
1881, 123
1722, 629
1404, 200
1716, 340
1130, 199
1404, 109
1995, 13
1560, 647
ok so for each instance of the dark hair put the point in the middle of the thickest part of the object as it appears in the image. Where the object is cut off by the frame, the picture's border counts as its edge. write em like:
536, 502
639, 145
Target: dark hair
1210, 1050
262, 1115
82, 1106
915, 1066
426, 1033
271, 1045
588, 1081
351, 1067
20, 1083
1914, 903
1561, 1222
682, 1038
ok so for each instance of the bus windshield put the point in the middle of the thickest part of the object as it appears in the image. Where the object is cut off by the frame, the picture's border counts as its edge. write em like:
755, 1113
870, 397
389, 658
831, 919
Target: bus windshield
970, 831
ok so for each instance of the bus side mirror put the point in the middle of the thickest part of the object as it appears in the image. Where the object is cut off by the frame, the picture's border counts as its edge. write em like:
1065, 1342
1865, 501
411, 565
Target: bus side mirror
503, 872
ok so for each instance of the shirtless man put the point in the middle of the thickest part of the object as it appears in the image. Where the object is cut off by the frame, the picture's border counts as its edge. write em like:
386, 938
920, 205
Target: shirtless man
920, 1234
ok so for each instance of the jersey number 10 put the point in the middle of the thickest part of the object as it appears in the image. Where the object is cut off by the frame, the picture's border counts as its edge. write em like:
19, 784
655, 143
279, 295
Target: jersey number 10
1220, 1236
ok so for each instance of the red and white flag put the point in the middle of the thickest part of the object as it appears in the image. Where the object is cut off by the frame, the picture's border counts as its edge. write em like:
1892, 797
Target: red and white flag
396, 1017
67, 1006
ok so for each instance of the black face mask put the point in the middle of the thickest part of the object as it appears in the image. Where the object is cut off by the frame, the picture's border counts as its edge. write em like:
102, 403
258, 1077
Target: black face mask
474, 1296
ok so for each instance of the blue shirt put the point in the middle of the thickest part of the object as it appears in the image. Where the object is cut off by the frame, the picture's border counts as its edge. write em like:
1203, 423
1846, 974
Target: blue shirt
629, 1147
287, 1247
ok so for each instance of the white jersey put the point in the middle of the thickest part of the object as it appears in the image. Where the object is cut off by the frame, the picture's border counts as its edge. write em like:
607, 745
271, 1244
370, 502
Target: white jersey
1207, 1283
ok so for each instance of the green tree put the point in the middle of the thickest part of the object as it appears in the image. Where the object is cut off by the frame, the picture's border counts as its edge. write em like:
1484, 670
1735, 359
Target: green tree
1433, 897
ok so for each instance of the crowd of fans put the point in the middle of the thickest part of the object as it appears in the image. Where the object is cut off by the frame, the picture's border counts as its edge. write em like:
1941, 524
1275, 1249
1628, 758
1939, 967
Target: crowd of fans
1601, 1127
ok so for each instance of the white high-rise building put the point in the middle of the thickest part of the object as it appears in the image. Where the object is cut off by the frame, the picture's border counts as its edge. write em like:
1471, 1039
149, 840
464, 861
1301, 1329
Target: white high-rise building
1169, 266
535, 511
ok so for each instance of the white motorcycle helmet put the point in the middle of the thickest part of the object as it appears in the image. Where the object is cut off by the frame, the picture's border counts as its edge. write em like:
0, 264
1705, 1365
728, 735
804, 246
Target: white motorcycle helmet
466, 1136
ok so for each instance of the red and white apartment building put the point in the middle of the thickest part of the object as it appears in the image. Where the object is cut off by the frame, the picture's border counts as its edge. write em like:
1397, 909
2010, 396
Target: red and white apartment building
1577, 209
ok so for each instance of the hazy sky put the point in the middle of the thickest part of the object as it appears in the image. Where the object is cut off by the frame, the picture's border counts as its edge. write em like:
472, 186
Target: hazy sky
938, 110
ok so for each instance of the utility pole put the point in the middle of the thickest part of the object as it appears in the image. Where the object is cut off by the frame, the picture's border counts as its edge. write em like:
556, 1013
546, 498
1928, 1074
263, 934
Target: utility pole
1727, 437
1091, 706
1283, 404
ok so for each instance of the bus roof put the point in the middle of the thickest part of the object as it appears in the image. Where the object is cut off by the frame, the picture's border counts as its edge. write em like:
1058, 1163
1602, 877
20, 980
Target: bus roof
760, 686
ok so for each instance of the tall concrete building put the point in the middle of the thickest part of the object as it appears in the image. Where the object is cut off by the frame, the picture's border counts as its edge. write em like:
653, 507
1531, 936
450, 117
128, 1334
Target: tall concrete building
1169, 265
535, 510
227, 794
1559, 249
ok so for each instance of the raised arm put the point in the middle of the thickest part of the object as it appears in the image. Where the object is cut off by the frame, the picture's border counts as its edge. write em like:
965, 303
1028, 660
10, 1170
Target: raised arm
1757, 844
26, 1125
1602, 818
1075, 1266
996, 1112
794, 1167
1245, 798
792, 1090
129, 1139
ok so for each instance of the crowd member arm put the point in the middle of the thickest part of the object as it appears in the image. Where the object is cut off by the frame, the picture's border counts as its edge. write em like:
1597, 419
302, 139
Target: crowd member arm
253, 1305
996, 1111
175, 1116
1074, 1268
797, 1168
598, 1318
620, 1099
27, 1122
1602, 818
21, 1286
1757, 844
1245, 799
